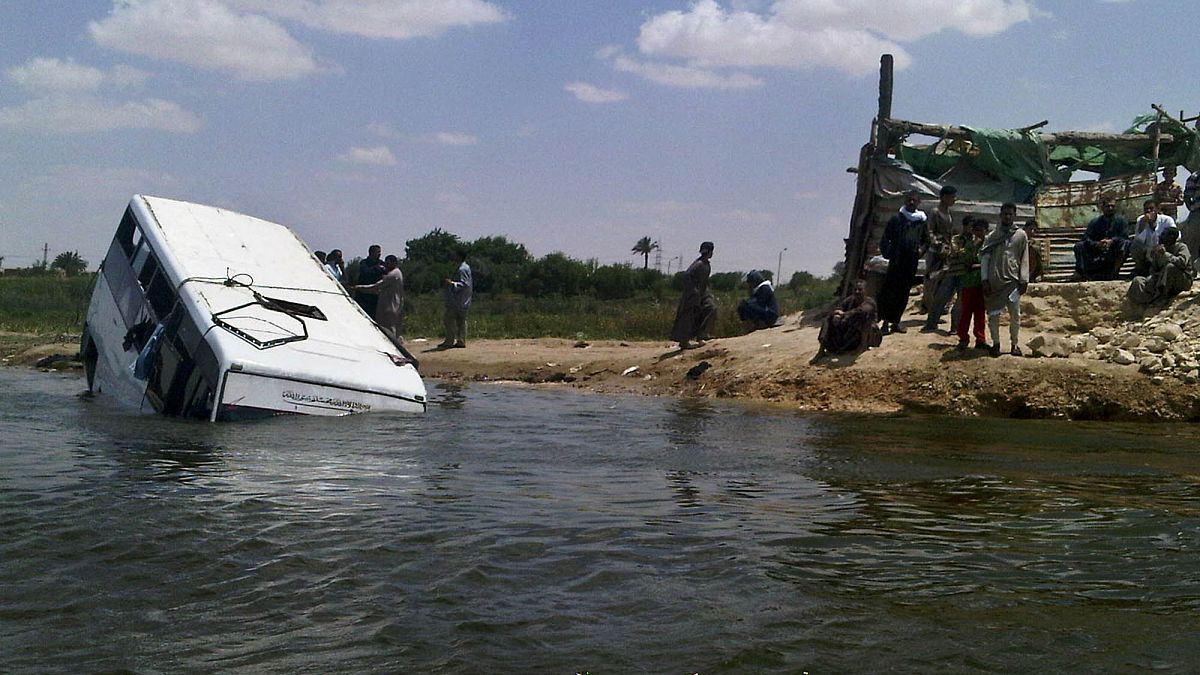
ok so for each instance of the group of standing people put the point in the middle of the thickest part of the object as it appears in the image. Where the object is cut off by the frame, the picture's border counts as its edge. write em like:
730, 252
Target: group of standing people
984, 270
380, 292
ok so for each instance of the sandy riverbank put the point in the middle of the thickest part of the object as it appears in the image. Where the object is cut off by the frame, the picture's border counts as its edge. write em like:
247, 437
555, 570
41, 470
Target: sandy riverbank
911, 372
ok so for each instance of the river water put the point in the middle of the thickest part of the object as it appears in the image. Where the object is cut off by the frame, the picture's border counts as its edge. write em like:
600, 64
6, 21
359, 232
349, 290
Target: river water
511, 530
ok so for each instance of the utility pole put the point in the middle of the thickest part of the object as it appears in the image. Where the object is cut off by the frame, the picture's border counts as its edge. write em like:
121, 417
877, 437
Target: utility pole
45, 255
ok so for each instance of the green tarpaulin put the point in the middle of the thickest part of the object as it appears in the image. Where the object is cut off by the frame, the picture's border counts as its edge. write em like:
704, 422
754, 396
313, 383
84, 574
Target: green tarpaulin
1019, 155
1022, 156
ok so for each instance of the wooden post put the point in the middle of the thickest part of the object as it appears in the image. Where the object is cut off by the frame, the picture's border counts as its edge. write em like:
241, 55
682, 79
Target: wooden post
885, 87
856, 243
1157, 139
882, 138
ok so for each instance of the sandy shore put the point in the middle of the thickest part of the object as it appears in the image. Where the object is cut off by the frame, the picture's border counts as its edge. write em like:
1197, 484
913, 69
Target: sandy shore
910, 372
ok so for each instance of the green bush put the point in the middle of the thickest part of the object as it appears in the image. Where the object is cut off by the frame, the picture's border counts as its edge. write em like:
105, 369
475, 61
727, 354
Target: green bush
614, 282
555, 274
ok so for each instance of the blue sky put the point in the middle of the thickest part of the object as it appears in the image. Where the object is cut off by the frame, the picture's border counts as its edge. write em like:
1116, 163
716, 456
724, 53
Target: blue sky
566, 126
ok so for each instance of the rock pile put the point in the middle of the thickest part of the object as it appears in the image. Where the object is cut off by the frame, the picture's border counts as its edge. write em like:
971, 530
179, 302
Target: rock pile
1102, 325
1157, 346
1167, 343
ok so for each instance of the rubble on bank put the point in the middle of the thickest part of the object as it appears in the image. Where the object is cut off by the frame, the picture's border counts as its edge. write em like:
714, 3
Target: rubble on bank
1158, 341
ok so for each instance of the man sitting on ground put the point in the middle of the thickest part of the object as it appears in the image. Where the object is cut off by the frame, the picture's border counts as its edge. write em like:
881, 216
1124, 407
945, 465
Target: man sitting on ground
1105, 245
1170, 272
1149, 229
851, 325
761, 309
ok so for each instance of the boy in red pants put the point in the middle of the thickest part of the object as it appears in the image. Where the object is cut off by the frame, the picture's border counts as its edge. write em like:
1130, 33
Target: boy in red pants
967, 254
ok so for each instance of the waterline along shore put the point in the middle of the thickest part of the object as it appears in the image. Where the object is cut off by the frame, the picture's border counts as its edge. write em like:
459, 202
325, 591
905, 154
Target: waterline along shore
1107, 364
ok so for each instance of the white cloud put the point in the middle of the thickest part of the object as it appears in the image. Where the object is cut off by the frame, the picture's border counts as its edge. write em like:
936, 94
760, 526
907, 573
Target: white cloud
686, 77
379, 155
382, 130
845, 35
454, 138
906, 20
49, 75
205, 34
608, 51
248, 39
70, 98
80, 114
590, 93
388, 19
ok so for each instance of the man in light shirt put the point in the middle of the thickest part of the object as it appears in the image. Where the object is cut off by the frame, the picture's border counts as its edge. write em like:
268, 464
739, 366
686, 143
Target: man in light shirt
1146, 234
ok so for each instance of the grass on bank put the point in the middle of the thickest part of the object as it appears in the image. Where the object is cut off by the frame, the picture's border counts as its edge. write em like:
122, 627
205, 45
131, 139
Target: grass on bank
50, 305
45, 304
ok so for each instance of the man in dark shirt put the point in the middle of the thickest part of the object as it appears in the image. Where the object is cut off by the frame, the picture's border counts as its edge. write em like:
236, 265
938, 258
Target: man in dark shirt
904, 240
370, 271
1105, 245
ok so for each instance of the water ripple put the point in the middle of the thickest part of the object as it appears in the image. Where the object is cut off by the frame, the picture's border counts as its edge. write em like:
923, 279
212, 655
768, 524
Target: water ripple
514, 529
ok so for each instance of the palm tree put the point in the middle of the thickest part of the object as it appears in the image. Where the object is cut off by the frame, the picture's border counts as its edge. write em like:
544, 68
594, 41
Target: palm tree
70, 263
644, 246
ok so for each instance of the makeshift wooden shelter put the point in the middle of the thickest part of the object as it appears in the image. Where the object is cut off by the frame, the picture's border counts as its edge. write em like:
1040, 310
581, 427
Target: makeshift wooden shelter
1035, 169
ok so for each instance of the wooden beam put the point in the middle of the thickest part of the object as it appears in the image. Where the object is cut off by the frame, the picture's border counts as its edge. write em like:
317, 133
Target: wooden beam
885, 87
856, 243
880, 136
1057, 138
1156, 133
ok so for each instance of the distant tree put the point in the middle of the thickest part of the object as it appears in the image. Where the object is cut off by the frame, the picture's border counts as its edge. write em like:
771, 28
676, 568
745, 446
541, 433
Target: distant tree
614, 282
801, 279
813, 291
436, 247
643, 247
70, 262
725, 281
555, 274
497, 263
499, 250
429, 259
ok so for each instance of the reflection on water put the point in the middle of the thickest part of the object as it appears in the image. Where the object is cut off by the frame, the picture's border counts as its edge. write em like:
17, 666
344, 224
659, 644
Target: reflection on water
541, 530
